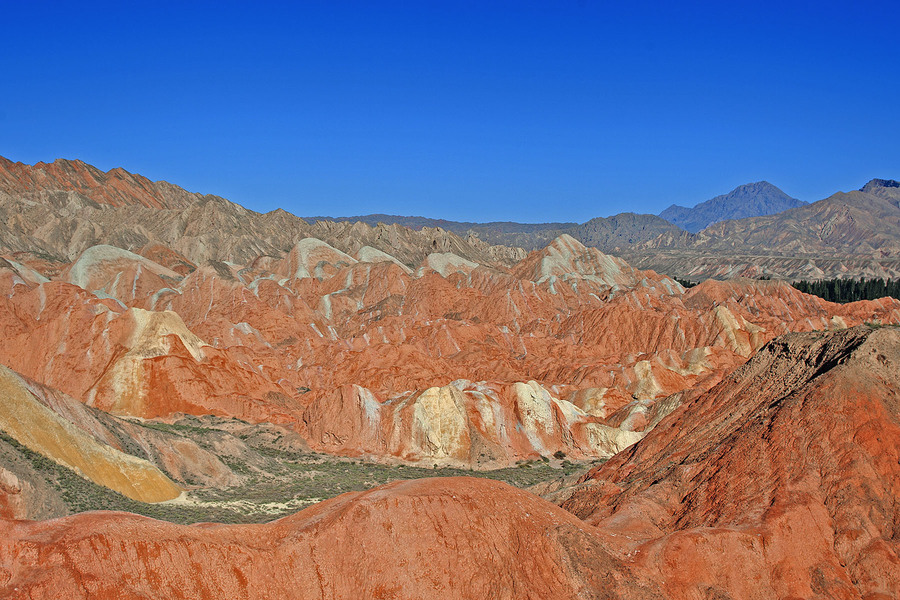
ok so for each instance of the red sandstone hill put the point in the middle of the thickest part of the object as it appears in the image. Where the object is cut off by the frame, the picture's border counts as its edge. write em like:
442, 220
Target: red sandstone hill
123, 296
436, 538
142, 300
116, 187
454, 363
780, 482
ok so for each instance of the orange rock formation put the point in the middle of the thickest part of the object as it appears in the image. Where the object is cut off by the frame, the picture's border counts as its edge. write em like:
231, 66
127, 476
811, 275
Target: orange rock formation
436, 538
470, 367
774, 480
780, 482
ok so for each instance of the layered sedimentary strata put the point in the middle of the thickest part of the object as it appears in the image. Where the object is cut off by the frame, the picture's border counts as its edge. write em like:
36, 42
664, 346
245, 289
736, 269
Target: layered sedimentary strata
44, 431
436, 538
779, 482
289, 340
369, 341
744, 465
462, 423
52, 212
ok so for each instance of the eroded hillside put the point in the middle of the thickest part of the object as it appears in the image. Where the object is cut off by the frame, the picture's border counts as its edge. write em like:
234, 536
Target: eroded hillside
151, 302
778, 482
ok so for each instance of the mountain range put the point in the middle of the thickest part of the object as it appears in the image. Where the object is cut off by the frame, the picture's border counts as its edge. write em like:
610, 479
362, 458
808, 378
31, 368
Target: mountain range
754, 231
859, 242
608, 233
57, 210
285, 399
854, 234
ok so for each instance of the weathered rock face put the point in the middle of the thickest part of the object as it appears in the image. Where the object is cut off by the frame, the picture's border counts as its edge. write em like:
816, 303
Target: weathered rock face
16, 496
127, 360
111, 272
779, 482
44, 431
567, 259
461, 424
374, 255
162, 301
313, 258
51, 213
447, 263
282, 339
436, 538
116, 187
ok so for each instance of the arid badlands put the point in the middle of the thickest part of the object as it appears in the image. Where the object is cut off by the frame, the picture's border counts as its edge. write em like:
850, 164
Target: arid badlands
201, 401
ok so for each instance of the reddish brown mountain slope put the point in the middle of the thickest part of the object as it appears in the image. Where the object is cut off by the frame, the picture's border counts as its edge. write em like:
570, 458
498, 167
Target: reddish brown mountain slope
360, 356
116, 187
390, 344
782, 481
437, 538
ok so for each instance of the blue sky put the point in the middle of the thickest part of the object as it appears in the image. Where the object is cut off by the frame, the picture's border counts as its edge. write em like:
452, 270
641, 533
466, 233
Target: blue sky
528, 111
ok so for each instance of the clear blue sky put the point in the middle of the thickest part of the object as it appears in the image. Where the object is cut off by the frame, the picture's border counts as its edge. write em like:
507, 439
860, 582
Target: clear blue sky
530, 111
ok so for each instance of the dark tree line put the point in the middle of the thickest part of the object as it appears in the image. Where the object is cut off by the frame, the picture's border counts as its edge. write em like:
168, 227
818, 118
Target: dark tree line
685, 283
850, 290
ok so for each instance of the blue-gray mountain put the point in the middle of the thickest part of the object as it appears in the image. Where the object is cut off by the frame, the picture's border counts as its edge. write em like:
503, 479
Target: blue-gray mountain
51, 212
849, 235
750, 200
609, 234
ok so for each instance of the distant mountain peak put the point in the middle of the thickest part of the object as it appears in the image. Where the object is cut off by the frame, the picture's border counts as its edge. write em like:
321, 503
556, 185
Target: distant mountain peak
760, 187
880, 183
756, 199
